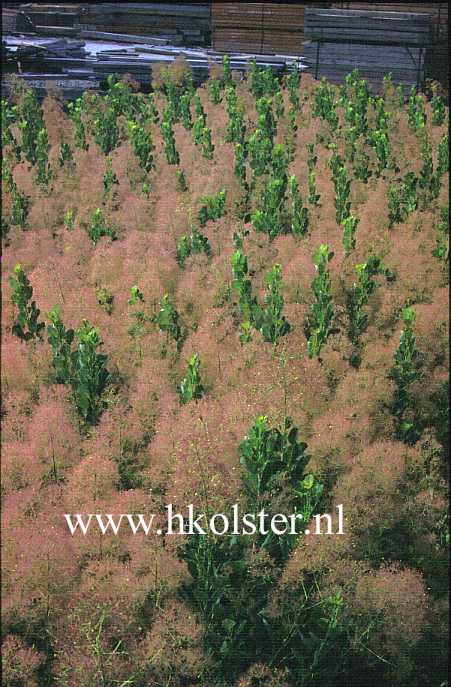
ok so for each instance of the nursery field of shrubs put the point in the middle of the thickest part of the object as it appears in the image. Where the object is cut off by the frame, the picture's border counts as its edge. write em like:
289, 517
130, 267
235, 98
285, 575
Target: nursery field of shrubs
230, 294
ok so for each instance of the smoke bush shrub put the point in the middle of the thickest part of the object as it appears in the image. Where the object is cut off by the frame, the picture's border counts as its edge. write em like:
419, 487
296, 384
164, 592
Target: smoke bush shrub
191, 388
213, 207
236, 127
402, 199
240, 163
404, 373
105, 299
30, 123
170, 150
142, 144
260, 148
99, 228
300, 214
136, 295
199, 243
75, 110
319, 324
214, 90
181, 181
269, 218
273, 324
441, 250
324, 104
361, 165
438, 108
26, 326
20, 206
65, 154
313, 197
69, 219
109, 179
121, 99
415, 112
42, 148
168, 321
207, 145
106, 130
342, 187
356, 298
263, 82
185, 111
380, 141
349, 225
183, 249
266, 121
249, 307
443, 156
273, 459
89, 373
60, 340
198, 128
293, 80
9, 115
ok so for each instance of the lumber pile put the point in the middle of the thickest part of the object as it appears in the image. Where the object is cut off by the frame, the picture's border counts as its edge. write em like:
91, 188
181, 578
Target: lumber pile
263, 27
187, 24
74, 65
376, 43
13, 20
438, 11
436, 63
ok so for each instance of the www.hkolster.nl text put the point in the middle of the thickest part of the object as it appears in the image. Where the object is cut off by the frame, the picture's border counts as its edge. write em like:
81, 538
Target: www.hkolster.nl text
194, 523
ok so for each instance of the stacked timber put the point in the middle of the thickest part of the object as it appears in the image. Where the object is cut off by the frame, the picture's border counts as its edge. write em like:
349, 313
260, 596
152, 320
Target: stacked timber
376, 43
438, 11
52, 19
436, 63
13, 20
263, 27
187, 24
74, 65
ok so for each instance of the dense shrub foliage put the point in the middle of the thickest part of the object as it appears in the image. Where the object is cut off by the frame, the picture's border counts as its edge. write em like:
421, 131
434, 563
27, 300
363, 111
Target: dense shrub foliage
234, 294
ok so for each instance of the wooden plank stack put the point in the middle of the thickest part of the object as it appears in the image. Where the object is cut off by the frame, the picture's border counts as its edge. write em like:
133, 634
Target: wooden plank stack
52, 19
187, 24
368, 27
436, 63
263, 27
375, 43
438, 11
74, 65
13, 20
182, 24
